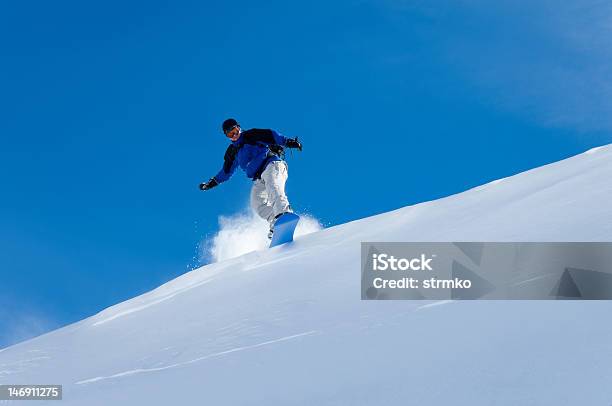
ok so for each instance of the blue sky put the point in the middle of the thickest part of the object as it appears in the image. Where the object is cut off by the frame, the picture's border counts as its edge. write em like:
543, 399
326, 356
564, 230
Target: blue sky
111, 115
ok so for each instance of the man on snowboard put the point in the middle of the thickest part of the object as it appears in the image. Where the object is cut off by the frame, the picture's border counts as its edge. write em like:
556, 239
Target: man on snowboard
260, 155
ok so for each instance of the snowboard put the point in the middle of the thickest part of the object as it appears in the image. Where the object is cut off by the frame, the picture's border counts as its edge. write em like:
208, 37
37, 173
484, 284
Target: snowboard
284, 228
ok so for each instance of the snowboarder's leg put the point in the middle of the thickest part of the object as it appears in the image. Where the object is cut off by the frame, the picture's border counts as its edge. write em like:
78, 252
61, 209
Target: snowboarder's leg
259, 201
274, 178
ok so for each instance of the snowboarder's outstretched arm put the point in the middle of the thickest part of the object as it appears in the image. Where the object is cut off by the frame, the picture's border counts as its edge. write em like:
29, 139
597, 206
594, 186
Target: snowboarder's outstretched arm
229, 167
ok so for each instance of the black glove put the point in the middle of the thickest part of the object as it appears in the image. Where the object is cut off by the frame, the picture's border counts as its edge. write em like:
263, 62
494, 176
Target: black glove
209, 185
293, 143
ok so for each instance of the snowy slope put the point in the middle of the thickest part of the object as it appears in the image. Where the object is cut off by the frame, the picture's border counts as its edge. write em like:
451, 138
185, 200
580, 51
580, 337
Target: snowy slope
286, 326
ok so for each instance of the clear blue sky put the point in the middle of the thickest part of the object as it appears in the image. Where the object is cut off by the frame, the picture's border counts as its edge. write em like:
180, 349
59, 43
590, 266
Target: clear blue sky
111, 113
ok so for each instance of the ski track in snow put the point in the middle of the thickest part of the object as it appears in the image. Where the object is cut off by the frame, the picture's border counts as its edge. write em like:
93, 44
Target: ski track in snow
532, 279
217, 354
154, 302
434, 304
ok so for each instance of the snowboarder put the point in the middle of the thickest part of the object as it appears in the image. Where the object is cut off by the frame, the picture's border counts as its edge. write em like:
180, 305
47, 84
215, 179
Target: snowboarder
260, 154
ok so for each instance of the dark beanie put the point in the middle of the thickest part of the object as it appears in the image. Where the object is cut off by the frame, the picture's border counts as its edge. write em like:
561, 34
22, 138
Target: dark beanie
228, 124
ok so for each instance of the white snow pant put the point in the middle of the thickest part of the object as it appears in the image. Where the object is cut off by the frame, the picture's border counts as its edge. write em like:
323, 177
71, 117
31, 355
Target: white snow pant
268, 197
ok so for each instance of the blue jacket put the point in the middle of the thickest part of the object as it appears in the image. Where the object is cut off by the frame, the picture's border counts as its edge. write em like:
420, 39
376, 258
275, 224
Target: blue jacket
251, 152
